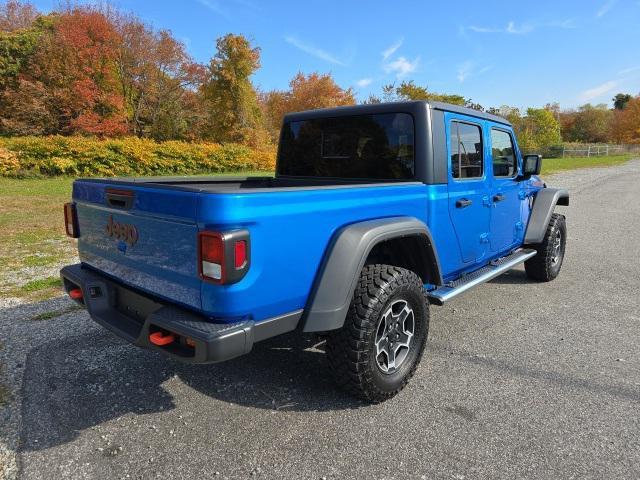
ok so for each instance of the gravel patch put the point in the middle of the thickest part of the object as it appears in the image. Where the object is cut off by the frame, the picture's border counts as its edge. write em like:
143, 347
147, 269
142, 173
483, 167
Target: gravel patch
11, 279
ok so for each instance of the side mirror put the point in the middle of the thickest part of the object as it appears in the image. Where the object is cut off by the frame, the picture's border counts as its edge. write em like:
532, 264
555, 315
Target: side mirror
531, 165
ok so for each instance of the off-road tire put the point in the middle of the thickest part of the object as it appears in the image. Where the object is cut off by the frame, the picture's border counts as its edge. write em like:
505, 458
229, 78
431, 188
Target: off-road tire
545, 266
351, 350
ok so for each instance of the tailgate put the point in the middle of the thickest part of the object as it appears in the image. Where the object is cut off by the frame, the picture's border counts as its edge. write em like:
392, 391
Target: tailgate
143, 236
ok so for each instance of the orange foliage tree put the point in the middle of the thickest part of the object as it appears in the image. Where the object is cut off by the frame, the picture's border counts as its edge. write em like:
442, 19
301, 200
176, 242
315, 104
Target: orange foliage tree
626, 123
79, 62
305, 92
157, 79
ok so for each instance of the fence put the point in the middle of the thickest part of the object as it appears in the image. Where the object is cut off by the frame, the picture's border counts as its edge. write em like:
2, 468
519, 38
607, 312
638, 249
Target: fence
597, 150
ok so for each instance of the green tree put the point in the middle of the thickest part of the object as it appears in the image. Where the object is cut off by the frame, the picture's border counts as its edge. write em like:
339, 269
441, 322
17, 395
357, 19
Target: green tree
408, 90
538, 130
229, 95
16, 50
620, 100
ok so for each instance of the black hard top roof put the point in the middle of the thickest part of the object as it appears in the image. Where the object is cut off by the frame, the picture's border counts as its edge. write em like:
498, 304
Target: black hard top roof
392, 107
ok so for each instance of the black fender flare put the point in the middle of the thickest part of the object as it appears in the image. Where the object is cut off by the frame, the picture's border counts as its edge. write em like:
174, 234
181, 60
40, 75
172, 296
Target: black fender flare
544, 204
343, 261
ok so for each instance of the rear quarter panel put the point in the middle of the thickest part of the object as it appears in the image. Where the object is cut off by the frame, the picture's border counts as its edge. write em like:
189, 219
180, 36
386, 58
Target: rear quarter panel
290, 232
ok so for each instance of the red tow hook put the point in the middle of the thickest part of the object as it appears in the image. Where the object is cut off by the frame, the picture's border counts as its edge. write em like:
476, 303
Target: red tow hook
161, 339
76, 294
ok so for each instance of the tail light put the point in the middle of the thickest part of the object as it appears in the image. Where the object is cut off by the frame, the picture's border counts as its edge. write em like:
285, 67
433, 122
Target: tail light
71, 220
223, 258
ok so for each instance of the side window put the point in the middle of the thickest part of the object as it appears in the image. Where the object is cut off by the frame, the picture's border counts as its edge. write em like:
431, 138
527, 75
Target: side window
503, 154
466, 150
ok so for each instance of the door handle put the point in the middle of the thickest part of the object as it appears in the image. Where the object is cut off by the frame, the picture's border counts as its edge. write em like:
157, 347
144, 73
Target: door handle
498, 198
463, 202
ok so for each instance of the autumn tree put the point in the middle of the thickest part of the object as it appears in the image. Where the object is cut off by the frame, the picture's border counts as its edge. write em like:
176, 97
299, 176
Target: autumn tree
229, 95
95, 71
15, 15
62, 79
82, 55
156, 75
590, 124
25, 101
626, 123
306, 92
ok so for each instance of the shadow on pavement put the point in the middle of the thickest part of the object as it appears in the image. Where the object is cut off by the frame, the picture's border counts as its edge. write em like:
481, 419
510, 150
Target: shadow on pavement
513, 277
83, 381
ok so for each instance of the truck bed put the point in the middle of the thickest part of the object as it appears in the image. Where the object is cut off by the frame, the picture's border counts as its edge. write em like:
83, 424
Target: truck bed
291, 222
242, 184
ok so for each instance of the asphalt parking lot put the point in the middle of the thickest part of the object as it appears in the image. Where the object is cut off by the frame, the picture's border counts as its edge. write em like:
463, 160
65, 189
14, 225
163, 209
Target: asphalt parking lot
519, 380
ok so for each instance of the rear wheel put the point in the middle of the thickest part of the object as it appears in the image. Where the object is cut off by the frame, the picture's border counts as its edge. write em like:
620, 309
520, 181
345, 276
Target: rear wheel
379, 347
545, 266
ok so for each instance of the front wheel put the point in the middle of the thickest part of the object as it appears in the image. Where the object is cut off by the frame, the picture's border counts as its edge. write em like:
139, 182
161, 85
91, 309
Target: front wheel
379, 347
545, 266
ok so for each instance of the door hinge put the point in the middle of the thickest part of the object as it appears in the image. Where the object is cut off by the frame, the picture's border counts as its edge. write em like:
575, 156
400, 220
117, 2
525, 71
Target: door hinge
484, 238
522, 195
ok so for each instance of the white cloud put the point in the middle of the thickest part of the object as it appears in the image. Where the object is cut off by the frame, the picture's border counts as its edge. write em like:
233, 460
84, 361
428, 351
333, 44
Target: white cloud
629, 70
392, 49
606, 6
314, 51
214, 6
511, 28
595, 92
364, 82
473, 28
514, 28
468, 69
568, 23
518, 30
401, 66
464, 69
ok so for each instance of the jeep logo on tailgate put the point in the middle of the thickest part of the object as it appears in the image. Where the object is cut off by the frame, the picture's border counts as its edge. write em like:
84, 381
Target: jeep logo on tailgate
122, 231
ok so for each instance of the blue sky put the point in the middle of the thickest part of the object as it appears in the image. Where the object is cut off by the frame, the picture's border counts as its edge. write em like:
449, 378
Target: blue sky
494, 52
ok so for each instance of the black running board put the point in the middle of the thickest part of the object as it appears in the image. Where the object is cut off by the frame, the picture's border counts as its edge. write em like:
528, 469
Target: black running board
497, 267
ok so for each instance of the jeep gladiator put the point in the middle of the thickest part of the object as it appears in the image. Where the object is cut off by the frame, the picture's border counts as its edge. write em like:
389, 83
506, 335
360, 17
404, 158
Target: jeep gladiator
374, 213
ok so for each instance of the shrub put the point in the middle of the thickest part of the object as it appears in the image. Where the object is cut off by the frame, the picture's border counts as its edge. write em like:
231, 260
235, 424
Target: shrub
85, 156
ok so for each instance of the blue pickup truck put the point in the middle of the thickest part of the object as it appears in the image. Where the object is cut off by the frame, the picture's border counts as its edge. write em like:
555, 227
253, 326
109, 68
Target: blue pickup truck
374, 213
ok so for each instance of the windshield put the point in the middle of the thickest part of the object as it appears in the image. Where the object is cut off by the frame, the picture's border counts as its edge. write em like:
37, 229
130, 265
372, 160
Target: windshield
379, 146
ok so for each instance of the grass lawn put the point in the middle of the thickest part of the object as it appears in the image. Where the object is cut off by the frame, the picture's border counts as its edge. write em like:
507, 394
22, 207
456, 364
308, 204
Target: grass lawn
33, 244
553, 165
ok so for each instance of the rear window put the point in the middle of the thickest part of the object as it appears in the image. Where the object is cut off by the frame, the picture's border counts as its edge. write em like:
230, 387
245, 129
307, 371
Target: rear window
379, 146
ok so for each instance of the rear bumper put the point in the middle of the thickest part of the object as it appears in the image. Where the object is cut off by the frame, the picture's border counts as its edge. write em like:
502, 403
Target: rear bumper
134, 316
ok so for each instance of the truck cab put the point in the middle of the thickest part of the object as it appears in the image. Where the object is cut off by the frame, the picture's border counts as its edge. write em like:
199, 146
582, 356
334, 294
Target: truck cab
488, 199
374, 213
